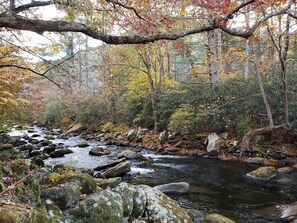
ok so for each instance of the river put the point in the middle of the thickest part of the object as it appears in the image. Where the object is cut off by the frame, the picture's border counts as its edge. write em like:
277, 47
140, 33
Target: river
215, 186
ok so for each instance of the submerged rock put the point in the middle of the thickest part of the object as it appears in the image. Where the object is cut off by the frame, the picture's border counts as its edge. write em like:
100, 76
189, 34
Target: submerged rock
285, 170
99, 151
217, 218
264, 173
82, 145
60, 152
174, 188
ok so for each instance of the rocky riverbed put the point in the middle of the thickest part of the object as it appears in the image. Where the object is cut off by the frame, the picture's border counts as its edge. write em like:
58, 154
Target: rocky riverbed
96, 180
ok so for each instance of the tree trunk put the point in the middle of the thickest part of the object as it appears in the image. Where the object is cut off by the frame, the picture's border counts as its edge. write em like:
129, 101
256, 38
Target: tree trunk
220, 53
284, 70
245, 146
213, 67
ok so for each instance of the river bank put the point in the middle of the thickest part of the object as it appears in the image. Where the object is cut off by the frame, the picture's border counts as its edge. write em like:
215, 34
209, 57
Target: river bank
278, 148
214, 185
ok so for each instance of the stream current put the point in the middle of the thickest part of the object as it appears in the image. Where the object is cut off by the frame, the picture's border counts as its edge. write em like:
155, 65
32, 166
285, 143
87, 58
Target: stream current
215, 186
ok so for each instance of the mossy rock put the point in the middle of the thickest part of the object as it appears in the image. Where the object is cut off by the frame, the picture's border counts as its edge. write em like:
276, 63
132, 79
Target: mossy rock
217, 218
264, 173
139, 203
161, 208
85, 181
20, 167
63, 195
104, 207
111, 182
126, 192
21, 214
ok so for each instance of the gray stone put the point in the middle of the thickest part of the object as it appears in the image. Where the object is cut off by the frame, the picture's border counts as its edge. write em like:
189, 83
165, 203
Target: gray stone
103, 207
131, 135
64, 195
127, 193
163, 137
217, 218
213, 138
99, 151
111, 182
118, 170
161, 208
129, 154
174, 188
285, 170
109, 164
60, 152
141, 132
255, 160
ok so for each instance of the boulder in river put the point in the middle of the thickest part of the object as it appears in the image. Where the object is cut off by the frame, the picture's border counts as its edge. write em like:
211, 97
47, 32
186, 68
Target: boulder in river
174, 188
99, 151
82, 145
118, 170
217, 218
109, 164
60, 152
129, 154
264, 173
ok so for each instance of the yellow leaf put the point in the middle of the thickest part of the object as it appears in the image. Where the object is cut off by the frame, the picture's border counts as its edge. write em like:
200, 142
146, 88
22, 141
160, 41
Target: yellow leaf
12, 101
23, 100
4, 99
8, 93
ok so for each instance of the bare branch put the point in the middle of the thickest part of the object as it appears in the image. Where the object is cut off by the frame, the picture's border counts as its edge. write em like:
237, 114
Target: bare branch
126, 7
249, 32
31, 70
32, 4
38, 73
292, 15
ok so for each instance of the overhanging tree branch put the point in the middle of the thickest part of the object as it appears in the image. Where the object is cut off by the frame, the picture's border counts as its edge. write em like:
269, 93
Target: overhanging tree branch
14, 21
126, 7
